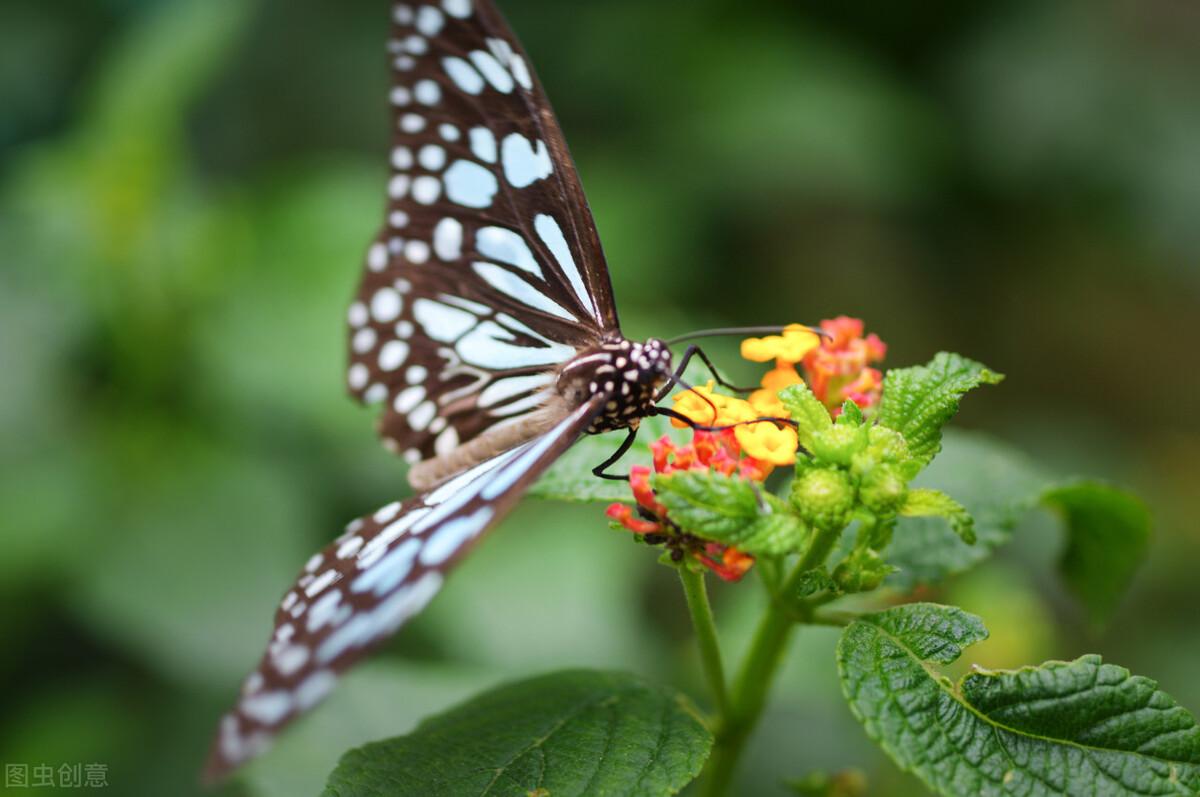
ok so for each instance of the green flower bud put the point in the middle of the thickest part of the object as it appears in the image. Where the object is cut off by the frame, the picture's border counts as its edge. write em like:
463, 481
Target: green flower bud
839, 444
861, 571
883, 489
887, 445
824, 498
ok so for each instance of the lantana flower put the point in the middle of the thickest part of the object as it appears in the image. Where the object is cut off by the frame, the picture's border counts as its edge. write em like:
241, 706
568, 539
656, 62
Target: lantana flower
789, 347
839, 368
718, 451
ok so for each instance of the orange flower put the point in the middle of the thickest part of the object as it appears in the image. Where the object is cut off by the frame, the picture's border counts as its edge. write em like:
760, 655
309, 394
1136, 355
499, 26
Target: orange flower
839, 368
780, 377
787, 348
623, 514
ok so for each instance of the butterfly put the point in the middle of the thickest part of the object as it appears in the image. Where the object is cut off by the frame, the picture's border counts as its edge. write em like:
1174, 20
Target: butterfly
484, 324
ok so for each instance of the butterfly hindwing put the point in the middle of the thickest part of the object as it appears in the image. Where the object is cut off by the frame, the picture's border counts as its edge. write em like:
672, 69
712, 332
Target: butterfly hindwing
363, 586
488, 271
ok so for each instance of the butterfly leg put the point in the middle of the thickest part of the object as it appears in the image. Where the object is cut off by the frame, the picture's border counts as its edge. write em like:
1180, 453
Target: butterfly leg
616, 455
695, 351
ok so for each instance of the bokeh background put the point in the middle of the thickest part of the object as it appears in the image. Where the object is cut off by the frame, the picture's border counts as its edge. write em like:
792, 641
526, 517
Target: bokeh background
186, 191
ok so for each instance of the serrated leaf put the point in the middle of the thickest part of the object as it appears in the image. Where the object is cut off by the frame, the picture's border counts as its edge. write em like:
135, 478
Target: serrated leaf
923, 502
813, 581
572, 732
730, 510
807, 411
1108, 532
918, 401
1073, 728
852, 414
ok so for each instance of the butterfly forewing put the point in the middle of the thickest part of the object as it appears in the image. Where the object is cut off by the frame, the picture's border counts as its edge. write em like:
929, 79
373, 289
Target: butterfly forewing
488, 272
368, 582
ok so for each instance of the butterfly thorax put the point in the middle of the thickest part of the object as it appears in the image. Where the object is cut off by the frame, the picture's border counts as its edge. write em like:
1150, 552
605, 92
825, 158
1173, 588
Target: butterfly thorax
629, 373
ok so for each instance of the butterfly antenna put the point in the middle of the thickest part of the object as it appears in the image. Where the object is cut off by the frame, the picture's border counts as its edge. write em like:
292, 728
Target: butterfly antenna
738, 331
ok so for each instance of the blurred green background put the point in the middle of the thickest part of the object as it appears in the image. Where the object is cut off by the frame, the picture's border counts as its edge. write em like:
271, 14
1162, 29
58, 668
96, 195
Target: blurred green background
186, 191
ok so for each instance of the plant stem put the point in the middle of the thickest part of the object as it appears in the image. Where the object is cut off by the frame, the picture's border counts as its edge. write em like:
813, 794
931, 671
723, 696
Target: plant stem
754, 679
706, 636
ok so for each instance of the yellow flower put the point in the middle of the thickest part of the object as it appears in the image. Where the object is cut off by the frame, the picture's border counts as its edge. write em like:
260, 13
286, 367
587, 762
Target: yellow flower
790, 347
768, 443
766, 404
697, 404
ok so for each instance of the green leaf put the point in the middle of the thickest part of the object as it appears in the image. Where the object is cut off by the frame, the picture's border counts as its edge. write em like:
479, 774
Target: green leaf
1108, 532
807, 411
851, 415
1074, 728
918, 401
1107, 529
995, 482
571, 479
923, 502
730, 510
815, 580
571, 732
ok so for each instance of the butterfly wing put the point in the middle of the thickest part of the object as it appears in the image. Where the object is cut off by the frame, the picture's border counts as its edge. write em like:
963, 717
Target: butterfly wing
363, 586
488, 273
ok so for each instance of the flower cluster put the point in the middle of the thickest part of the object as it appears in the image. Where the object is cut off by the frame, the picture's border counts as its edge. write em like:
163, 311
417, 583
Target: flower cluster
715, 451
839, 368
747, 438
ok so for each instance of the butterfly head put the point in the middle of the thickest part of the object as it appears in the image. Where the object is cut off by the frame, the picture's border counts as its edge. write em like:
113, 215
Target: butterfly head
629, 373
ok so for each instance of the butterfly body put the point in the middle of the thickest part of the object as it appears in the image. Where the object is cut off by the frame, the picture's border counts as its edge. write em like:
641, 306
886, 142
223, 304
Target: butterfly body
627, 373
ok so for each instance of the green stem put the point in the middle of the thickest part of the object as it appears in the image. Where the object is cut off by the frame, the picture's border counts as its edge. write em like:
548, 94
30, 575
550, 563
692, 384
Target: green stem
706, 636
753, 683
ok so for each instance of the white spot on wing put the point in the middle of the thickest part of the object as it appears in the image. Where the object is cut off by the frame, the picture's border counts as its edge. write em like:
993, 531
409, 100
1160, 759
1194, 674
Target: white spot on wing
470, 184
429, 20
427, 92
392, 355
506, 246
457, 8
523, 163
446, 442
503, 389
448, 238
552, 235
426, 189
483, 144
442, 322
463, 74
432, 157
520, 71
386, 305
408, 398
492, 70
510, 284
487, 346
450, 537
420, 417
